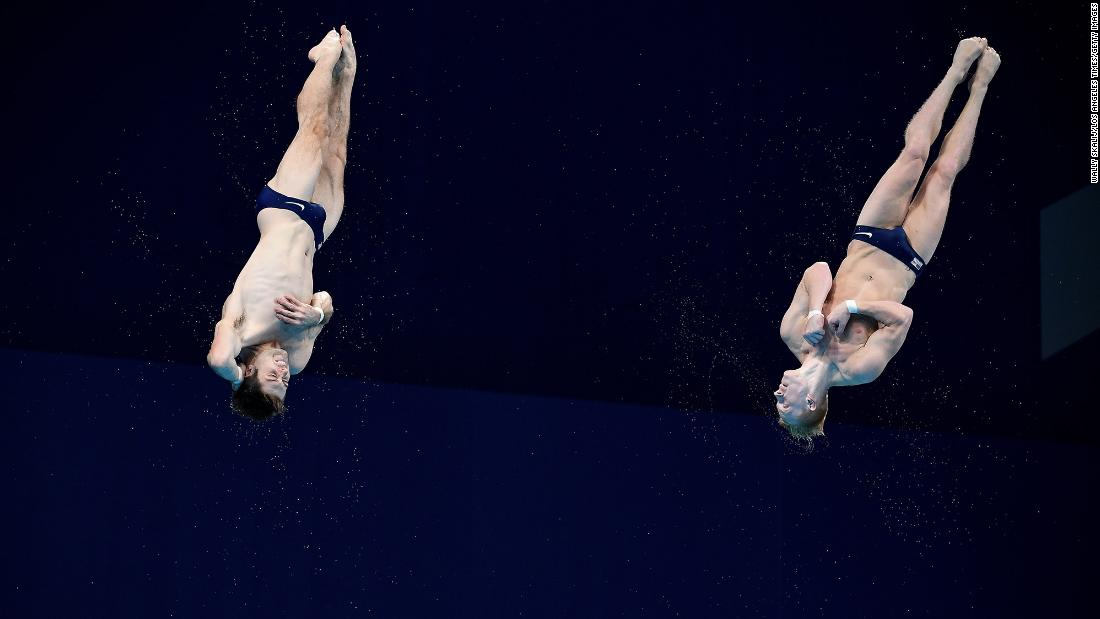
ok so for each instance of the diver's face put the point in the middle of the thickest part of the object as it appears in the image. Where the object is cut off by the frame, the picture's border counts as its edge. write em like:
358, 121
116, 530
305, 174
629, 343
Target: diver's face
792, 399
273, 371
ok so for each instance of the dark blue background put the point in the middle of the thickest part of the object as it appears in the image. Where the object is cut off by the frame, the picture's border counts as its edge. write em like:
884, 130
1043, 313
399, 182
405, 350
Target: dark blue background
603, 203
137, 495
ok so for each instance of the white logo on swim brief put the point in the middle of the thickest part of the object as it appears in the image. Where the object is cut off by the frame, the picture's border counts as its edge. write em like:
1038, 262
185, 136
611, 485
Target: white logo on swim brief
916, 262
301, 207
867, 233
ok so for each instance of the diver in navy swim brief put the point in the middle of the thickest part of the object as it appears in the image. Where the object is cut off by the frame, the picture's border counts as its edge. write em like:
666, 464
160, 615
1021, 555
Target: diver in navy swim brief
272, 317
845, 329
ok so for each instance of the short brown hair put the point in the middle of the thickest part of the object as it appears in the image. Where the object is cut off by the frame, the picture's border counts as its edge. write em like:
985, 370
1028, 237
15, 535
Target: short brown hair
249, 401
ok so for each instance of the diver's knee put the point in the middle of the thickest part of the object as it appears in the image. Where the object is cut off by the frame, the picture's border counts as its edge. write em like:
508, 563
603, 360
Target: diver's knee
915, 150
946, 169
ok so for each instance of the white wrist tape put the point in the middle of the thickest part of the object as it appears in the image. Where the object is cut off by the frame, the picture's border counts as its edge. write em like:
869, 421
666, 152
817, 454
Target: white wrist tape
852, 307
813, 313
322, 315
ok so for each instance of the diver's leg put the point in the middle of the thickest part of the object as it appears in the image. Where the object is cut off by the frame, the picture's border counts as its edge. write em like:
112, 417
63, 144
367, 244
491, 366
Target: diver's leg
924, 225
329, 191
889, 201
300, 166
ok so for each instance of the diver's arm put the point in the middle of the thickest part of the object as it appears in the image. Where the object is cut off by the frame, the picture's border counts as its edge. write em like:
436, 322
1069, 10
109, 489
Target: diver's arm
222, 357
306, 317
890, 313
867, 363
323, 301
809, 295
300, 352
818, 281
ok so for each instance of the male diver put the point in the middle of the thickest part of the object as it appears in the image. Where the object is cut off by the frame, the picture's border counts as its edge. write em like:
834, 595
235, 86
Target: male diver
845, 329
272, 317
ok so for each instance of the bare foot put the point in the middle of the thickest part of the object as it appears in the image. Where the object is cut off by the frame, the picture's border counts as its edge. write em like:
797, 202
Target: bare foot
987, 66
347, 54
328, 48
966, 53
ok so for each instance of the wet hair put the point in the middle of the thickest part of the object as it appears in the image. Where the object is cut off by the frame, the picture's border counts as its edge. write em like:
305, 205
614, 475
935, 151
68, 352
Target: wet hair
800, 432
250, 401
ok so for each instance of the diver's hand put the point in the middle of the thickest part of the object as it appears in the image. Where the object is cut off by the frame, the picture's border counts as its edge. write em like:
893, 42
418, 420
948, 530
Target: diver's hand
293, 312
814, 331
838, 318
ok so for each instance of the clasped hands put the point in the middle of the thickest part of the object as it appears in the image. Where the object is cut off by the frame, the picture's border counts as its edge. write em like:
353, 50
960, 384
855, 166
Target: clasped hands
293, 312
837, 319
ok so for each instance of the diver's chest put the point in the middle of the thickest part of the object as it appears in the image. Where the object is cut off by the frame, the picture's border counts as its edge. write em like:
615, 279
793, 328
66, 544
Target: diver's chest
854, 337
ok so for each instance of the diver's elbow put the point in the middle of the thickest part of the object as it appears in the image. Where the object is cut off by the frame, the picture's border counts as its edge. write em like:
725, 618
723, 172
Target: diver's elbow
215, 360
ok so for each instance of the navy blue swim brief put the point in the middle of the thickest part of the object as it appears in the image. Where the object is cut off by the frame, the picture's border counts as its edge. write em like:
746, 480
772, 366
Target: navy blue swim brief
310, 212
893, 241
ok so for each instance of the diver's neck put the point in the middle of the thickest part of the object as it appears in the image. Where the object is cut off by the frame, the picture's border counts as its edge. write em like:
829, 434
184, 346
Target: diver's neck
817, 370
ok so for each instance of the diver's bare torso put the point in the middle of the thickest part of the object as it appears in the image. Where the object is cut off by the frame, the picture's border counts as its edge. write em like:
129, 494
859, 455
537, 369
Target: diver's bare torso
281, 264
845, 328
866, 273
273, 306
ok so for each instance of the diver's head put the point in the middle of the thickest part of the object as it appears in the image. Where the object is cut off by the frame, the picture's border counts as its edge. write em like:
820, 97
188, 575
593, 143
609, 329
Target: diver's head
263, 388
802, 403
